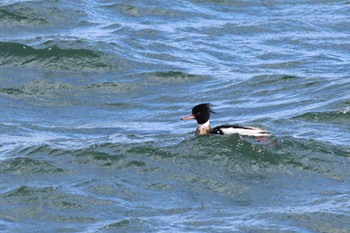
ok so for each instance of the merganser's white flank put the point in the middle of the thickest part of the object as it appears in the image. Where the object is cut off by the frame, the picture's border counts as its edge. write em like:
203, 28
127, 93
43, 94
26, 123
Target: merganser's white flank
251, 131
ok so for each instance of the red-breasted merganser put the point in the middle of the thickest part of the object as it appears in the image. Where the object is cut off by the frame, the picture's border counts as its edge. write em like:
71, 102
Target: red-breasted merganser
202, 112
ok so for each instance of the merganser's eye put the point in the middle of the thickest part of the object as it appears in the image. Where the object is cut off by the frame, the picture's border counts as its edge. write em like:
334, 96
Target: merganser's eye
198, 113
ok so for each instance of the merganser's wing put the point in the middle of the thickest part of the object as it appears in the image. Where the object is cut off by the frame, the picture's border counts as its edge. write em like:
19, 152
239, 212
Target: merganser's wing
241, 130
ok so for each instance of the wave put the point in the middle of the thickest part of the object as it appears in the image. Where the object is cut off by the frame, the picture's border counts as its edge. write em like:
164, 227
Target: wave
40, 14
49, 93
241, 156
44, 92
23, 16
340, 117
172, 77
224, 169
33, 196
23, 166
15, 54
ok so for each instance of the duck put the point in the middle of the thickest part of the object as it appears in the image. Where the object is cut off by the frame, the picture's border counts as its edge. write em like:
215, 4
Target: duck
201, 113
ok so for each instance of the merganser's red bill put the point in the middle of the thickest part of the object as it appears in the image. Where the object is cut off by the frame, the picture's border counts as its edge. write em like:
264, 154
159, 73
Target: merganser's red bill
190, 117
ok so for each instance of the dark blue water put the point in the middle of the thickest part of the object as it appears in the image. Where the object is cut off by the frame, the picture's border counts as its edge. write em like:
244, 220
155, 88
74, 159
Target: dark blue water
91, 96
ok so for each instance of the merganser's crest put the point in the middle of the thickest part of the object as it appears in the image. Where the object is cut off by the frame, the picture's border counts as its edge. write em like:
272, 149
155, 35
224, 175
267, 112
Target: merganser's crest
202, 112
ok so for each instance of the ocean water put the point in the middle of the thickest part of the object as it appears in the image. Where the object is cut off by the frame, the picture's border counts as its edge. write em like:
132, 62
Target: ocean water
91, 96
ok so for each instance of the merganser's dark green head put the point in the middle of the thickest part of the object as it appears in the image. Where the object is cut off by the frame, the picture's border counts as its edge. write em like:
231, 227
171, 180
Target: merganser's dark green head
201, 113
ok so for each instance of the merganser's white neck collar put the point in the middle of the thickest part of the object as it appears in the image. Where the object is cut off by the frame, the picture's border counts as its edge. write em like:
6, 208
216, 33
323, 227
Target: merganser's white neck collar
206, 124
203, 128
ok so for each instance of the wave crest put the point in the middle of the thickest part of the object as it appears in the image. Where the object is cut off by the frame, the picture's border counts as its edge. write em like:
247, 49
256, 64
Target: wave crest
56, 58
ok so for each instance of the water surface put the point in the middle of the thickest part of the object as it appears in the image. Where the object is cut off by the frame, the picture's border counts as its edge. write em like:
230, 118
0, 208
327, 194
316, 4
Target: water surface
92, 92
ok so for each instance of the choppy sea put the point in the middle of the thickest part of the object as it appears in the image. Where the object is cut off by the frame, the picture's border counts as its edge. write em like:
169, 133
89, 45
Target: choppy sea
91, 96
